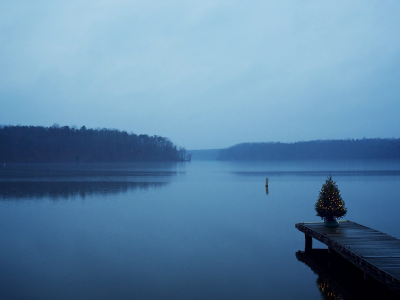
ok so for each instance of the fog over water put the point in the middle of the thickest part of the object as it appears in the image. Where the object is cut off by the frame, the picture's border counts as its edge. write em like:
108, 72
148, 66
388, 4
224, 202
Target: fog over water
206, 74
182, 230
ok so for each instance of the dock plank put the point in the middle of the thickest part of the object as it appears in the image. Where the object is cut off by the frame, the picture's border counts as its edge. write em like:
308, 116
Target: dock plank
374, 252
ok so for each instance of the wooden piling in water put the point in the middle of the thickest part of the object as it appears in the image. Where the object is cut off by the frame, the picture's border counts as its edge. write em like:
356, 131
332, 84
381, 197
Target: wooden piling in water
308, 245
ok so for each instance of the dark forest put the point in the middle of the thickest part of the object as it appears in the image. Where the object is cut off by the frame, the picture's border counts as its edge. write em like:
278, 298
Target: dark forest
320, 149
69, 144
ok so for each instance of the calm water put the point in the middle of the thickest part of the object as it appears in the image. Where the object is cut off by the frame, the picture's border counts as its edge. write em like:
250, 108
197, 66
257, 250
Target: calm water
200, 230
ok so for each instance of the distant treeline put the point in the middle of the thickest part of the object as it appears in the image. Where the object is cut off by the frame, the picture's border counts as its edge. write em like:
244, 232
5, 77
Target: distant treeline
326, 149
69, 144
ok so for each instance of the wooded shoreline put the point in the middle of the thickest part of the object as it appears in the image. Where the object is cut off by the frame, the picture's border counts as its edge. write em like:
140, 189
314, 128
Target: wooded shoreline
314, 150
69, 144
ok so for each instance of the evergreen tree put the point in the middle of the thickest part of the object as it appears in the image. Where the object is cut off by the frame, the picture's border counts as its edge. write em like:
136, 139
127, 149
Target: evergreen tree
330, 204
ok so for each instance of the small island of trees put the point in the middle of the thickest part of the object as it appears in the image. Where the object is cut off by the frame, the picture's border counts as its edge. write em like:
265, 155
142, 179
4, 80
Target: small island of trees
70, 144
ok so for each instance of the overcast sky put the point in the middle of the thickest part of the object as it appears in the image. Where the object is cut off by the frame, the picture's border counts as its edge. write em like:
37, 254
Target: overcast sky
206, 74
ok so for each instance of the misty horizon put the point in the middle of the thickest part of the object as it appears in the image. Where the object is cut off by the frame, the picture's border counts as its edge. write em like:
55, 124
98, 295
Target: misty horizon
206, 75
166, 149
75, 127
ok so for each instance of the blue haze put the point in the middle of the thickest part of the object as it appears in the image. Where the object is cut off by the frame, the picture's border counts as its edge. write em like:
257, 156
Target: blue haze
175, 231
206, 74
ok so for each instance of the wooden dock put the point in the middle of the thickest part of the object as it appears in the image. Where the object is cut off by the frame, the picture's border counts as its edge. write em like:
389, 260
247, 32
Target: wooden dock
374, 252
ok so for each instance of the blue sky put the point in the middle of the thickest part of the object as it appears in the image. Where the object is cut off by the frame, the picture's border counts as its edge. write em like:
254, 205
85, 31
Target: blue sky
206, 74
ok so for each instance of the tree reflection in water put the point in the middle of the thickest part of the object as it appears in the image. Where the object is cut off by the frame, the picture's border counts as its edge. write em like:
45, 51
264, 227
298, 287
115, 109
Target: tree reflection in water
339, 279
66, 190
327, 292
65, 180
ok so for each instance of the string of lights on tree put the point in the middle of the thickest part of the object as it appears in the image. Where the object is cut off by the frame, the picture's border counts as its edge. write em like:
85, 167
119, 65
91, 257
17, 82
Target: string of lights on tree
330, 204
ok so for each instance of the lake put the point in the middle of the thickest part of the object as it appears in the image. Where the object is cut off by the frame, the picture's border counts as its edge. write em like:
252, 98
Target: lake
198, 230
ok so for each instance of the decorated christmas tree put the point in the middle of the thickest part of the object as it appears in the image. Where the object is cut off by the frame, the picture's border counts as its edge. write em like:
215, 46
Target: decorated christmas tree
330, 205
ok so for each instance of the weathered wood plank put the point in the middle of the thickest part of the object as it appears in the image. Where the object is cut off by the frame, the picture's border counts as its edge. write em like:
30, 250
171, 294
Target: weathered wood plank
374, 252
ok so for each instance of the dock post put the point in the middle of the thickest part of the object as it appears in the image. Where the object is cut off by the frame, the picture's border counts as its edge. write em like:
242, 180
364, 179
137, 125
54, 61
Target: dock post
308, 242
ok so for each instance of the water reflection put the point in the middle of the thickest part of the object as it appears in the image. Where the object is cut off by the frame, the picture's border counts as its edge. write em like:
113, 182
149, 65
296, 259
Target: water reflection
71, 174
65, 190
327, 292
320, 173
63, 181
339, 279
